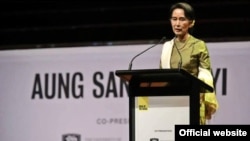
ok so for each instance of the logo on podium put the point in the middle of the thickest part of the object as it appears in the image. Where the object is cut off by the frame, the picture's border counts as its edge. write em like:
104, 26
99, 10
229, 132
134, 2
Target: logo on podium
154, 139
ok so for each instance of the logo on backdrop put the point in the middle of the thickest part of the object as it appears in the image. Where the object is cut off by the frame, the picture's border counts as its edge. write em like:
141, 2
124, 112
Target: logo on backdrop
71, 137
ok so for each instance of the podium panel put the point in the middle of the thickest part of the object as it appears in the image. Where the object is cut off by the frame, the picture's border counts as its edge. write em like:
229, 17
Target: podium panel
155, 117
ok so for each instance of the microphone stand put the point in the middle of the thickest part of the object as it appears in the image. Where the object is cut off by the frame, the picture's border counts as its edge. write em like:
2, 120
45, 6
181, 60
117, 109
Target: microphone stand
130, 64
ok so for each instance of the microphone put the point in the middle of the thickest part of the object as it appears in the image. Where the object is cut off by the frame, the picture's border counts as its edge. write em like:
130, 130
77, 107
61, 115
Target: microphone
180, 62
130, 64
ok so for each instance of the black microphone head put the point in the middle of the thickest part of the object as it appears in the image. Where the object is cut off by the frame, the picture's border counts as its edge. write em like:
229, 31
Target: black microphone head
164, 38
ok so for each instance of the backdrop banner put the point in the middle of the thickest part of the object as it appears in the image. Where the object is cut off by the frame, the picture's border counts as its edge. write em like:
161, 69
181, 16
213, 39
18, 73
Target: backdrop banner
62, 94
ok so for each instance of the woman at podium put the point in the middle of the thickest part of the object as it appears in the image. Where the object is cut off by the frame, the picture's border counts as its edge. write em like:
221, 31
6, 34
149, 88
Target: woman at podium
189, 53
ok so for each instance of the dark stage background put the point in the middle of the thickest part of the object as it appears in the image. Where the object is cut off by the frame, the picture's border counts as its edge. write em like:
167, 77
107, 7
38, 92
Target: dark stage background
42, 24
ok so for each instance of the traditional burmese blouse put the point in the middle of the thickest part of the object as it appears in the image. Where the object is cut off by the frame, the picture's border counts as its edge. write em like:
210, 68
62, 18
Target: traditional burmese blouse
195, 59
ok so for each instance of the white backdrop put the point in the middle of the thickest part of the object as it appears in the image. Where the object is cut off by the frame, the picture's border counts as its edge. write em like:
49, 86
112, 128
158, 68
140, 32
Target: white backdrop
35, 84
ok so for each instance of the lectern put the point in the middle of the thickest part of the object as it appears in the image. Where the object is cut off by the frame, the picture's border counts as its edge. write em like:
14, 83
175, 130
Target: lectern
160, 99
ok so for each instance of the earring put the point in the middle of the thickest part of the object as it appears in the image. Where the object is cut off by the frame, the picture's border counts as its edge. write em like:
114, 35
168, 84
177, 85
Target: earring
192, 24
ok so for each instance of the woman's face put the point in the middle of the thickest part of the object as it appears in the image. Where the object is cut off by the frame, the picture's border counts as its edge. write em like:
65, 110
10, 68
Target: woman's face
180, 24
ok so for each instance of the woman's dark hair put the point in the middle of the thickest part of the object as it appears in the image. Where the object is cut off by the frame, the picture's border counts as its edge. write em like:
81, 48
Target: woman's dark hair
188, 10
